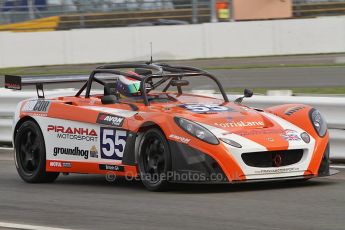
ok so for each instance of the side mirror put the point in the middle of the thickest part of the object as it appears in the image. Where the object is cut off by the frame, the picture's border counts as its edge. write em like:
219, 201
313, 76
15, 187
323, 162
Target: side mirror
247, 93
179, 83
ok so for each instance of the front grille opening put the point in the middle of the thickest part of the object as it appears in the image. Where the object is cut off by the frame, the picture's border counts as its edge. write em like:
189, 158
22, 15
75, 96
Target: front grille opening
272, 158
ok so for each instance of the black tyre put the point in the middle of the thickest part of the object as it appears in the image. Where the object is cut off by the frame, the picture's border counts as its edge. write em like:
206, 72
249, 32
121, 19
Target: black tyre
154, 160
30, 154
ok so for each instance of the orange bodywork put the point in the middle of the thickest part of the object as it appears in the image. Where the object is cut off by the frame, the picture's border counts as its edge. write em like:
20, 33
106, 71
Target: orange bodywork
252, 126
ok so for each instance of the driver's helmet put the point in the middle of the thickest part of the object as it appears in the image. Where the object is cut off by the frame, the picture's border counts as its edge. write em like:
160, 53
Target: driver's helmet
128, 87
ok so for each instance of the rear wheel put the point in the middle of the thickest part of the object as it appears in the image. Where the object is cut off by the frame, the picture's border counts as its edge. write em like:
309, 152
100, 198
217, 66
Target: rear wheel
154, 160
30, 154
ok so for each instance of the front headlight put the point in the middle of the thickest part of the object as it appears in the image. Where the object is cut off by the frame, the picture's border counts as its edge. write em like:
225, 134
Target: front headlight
196, 130
319, 122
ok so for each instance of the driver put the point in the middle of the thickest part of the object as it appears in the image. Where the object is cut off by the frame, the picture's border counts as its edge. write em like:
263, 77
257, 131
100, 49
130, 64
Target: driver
128, 87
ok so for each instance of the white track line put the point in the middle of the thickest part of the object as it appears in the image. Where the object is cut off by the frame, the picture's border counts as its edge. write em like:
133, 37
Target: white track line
338, 166
28, 227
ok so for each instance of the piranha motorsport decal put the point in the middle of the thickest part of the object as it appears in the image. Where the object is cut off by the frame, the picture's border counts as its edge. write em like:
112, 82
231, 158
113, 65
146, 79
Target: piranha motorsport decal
73, 133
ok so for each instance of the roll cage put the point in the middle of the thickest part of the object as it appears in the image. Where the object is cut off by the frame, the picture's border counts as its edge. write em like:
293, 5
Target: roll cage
164, 71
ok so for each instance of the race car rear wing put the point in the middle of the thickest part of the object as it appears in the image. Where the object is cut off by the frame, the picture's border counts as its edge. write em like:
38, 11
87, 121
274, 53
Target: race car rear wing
17, 82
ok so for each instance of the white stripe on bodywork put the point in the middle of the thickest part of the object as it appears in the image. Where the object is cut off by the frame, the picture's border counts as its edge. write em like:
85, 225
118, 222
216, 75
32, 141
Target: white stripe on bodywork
114, 111
297, 169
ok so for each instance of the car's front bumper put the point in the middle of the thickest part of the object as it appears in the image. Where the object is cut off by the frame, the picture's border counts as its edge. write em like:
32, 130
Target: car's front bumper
190, 165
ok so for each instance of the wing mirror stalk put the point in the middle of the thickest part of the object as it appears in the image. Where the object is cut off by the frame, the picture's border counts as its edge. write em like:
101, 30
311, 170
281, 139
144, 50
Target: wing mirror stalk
246, 94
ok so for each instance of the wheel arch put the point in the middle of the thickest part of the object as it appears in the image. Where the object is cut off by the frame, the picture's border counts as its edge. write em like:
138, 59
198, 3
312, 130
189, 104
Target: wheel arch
142, 129
149, 125
20, 122
39, 174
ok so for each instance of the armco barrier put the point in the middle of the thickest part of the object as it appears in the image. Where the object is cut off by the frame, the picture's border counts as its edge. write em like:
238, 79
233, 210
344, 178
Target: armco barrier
333, 108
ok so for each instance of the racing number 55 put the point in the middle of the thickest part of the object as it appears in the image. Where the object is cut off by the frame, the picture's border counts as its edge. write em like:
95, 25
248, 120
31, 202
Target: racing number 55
113, 143
200, 108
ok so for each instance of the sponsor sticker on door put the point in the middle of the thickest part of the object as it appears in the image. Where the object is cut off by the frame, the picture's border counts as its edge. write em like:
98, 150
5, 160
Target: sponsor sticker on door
111, 120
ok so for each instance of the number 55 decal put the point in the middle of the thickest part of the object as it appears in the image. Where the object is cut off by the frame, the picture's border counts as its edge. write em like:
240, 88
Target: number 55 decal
204, 108
113, 143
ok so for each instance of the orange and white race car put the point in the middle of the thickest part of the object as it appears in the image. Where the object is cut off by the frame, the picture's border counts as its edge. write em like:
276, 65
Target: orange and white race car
143, 124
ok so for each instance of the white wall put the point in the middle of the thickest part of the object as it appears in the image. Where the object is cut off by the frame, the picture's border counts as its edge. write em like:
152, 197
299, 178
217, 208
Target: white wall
255, 38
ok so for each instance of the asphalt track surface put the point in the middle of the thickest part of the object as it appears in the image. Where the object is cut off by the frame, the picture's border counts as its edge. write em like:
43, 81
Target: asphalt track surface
274, 77
285, 77
91, 202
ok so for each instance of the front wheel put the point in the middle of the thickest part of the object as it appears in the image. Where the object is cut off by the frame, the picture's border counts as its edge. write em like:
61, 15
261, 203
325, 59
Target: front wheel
154, 160
30, 154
